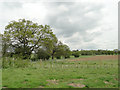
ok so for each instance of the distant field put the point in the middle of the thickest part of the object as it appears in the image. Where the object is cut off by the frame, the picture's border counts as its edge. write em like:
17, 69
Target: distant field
83, 72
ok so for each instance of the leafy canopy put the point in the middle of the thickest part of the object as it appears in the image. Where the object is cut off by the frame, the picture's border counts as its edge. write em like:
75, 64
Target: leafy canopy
24, 36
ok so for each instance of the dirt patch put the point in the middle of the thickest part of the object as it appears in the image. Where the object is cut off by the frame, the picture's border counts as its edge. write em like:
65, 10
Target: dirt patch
106, 82
40, 87
53, 81
78, 79
77, 85
106, 57
116, 79
25, 82
4, 87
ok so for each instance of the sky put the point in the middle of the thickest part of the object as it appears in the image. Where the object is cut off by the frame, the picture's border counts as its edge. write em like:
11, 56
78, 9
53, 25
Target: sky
81, 24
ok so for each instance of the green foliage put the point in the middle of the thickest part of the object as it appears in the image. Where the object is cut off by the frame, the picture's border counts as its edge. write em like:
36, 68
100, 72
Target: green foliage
97, 52
62, 50
33, 57
58, 57
75, 54
24, 36
42, 54
67, 56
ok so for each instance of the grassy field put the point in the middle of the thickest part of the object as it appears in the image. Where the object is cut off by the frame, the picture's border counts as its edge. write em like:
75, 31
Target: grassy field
83, 72
0, 73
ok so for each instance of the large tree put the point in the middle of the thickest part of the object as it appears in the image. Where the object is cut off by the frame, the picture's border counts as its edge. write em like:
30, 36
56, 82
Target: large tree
24, 36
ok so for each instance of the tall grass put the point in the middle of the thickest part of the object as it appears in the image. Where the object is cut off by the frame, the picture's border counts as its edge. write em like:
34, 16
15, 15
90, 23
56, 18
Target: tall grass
8, 62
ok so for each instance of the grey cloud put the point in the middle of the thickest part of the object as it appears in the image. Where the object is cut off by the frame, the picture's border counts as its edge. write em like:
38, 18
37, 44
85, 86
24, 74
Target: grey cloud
78, 44
73, 20
69, 18
91, 46
12, 5
66, 19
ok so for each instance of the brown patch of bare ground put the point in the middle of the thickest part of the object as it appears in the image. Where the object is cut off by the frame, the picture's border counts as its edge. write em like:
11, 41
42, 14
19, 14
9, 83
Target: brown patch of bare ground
105, 57
77, 85
25, 82
40, 87
116, 79
4, 87
53, 81
106, 82
77, 79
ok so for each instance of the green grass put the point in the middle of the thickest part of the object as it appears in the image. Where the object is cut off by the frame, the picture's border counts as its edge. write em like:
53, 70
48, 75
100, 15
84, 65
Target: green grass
0, 73
72, 57
61, 73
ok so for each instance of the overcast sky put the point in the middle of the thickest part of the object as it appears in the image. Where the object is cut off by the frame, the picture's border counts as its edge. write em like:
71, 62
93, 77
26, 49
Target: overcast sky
81, 24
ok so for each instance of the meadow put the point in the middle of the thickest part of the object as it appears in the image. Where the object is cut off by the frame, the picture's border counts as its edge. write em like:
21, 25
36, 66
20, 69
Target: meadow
83, 72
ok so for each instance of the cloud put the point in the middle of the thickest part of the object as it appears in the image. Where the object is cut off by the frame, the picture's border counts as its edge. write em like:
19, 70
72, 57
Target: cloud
18, 10
80, 24
12, 5
73, 21
92, 22
72, 17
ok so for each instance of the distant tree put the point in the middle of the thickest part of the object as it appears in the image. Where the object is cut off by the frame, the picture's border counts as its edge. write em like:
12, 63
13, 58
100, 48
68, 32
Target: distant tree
116, 51
75, 53
62, 50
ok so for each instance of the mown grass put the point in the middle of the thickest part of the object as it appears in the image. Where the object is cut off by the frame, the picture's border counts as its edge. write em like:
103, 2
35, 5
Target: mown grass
63, 74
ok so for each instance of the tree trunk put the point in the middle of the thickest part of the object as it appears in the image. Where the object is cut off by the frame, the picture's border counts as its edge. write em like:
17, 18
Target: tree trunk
53, 54
52, 57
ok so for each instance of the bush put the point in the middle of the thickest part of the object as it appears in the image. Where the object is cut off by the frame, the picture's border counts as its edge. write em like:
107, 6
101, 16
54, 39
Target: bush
67, 57
58, 57
42, 54
8, 62
76, 54
33, 57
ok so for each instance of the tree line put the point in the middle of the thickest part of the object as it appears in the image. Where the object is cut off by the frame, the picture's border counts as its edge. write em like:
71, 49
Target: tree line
77, 53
